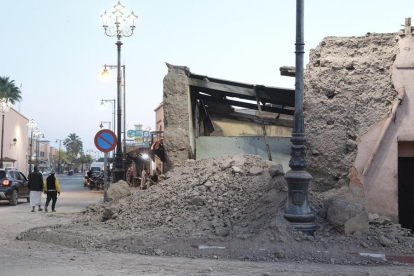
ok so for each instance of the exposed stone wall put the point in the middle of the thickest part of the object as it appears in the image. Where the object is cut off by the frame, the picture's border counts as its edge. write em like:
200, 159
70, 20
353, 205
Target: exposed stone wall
348, 88
176, 117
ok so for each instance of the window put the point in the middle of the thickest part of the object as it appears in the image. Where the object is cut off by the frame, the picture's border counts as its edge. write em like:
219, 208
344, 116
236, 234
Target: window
42, 154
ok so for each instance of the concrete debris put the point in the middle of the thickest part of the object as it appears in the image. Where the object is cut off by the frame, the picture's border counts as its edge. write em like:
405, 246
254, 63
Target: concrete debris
118, 190
237, 215
347, 217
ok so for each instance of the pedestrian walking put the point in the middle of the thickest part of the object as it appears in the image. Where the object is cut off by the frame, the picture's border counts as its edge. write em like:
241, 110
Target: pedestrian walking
35, 189
52, 190
143, 178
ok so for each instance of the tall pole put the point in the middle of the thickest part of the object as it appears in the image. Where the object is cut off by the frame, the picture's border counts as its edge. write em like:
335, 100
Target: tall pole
297, 210
124, 151
60, 142
2, 138
119, 170
31, 151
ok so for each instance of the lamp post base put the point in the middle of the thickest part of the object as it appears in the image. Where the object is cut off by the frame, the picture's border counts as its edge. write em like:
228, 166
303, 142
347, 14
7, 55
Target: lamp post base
119, 168
297, 210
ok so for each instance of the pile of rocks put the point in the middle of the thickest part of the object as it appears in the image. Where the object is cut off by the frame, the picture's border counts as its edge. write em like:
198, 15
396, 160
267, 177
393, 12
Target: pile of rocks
228, 196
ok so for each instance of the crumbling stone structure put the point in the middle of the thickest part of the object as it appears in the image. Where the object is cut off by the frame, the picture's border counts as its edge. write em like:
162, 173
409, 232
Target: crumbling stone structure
348, 89
176, 117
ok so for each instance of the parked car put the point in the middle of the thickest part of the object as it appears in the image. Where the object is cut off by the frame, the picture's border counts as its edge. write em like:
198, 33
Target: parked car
13, 185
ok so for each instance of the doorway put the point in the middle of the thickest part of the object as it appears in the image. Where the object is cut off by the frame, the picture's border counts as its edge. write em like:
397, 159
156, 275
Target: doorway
406, 192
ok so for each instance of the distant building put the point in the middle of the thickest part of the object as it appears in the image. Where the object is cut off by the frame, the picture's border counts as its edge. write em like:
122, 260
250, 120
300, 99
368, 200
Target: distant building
15, 142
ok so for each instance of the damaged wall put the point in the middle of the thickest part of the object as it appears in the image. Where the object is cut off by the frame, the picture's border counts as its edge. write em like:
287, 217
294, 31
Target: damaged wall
348, 89
176, 115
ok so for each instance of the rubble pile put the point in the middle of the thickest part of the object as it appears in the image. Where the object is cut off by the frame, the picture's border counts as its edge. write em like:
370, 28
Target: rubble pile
228, 207
228, 196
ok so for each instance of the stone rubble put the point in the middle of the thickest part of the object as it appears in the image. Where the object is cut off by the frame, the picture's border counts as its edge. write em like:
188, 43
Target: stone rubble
232, 206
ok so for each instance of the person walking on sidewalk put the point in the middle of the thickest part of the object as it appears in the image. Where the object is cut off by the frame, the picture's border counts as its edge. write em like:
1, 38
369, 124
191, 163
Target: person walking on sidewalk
52, 190
35, 188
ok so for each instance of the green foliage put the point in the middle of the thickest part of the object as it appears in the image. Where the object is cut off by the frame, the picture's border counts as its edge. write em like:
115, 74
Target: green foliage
9, 90
74, 147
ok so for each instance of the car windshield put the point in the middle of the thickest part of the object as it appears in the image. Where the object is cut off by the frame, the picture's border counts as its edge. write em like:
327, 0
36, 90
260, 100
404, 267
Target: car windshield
2, 174
96, 169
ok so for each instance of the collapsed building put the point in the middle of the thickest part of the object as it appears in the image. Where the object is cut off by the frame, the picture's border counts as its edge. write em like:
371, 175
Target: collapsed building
357, 116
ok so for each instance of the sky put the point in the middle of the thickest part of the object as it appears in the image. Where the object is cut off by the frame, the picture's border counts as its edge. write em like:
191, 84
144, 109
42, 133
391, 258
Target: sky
56, 50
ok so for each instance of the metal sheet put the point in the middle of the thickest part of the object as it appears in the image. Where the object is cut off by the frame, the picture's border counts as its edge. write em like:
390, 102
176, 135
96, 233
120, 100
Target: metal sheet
215, 146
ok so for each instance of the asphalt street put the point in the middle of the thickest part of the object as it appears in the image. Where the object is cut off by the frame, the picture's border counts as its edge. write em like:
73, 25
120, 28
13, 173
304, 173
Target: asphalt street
73, 197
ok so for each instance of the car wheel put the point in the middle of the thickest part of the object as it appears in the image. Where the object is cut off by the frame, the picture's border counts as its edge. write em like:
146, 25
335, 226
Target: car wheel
14, 198
28, 199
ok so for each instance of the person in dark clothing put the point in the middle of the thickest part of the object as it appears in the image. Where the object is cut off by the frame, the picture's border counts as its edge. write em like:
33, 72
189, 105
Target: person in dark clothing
52, 190
35, 187
89, 173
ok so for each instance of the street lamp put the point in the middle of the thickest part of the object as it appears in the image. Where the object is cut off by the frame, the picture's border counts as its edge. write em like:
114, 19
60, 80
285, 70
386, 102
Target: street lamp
32, 125
105, 75
60, 144
102, 106
297, 210
119, 30
5, 107
37, 133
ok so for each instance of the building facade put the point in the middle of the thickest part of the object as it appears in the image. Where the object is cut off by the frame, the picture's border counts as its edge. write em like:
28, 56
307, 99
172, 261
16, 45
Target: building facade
15, 143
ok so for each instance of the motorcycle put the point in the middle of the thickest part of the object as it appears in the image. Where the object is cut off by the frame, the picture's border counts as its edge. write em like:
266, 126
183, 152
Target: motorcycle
96, 182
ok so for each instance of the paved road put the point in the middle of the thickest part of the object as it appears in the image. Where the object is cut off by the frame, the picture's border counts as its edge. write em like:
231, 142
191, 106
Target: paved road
73, 197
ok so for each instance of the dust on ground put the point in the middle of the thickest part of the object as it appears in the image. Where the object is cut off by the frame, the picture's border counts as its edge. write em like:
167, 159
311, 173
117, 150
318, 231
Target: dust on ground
229, 207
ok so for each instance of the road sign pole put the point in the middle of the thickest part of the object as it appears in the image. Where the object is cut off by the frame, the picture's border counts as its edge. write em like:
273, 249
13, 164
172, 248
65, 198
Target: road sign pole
105, 173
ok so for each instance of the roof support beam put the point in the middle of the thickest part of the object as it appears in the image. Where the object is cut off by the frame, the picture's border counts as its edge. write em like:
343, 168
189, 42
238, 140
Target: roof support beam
245, 105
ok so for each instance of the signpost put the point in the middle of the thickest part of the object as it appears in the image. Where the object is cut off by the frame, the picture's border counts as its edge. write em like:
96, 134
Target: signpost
105, 141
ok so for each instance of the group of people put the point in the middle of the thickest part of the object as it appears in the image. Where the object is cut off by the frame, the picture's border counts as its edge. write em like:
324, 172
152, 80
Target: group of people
36, 187
145, 177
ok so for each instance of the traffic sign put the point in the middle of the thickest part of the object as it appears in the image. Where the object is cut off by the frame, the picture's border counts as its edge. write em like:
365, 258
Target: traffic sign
105, 140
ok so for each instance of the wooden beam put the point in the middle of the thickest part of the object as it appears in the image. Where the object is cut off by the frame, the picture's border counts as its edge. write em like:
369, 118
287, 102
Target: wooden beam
287, 71
246, 105
281, 96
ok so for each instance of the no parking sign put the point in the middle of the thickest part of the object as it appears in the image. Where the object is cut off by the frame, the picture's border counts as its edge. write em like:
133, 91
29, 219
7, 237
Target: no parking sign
105, 140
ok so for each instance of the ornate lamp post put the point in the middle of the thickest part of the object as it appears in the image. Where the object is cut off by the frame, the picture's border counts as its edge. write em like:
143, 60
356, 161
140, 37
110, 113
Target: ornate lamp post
32, 125
119, 31
297, 209
5, 107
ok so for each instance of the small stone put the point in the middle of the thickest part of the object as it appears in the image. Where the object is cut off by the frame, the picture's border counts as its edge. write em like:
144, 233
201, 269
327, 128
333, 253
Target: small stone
255, 171
236, 169
168, 219
266, 274
332, 261
384, 241
276, 170
210, 269
364, 244
372, 217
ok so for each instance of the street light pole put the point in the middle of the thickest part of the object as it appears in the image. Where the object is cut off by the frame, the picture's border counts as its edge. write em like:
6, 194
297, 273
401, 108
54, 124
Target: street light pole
119, 31
31, 124
297, 210
113, 113
5, 107
105, 73
60, 143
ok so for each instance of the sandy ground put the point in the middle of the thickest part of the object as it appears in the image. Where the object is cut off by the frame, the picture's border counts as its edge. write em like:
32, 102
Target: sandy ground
35, 258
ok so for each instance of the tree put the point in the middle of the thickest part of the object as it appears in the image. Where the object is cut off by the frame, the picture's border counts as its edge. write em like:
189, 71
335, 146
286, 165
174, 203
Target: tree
9, 90
74, 147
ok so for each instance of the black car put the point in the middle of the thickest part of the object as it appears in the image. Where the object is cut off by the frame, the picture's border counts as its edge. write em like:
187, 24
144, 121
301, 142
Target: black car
13, 185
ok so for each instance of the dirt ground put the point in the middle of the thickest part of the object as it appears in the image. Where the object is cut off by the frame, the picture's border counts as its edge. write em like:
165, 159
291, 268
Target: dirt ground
39, 258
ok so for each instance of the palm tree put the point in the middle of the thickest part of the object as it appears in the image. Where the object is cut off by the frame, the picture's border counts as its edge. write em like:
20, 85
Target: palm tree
9, 90
73, 146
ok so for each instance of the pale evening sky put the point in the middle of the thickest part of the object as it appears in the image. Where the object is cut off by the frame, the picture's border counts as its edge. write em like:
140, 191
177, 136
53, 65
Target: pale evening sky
56, 50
